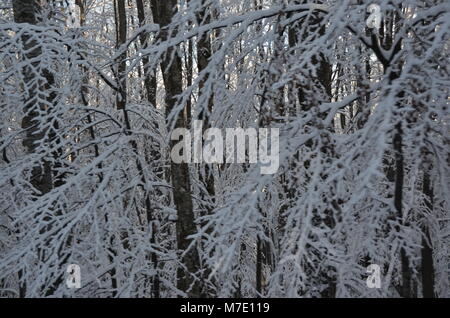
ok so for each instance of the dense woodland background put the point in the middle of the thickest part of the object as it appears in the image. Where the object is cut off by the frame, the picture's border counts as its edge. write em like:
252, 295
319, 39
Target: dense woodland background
91, 89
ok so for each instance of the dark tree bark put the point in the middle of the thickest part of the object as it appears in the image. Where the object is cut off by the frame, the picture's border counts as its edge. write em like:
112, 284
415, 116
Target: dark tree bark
204, 52
393, 69
151, 87
406, 288
121, 32
26, 12
427, 263
163, 12
149, 76
121, 102
309, 98
42, 172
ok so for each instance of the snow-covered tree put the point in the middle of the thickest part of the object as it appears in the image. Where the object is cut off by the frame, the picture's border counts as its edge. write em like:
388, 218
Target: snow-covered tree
92, 90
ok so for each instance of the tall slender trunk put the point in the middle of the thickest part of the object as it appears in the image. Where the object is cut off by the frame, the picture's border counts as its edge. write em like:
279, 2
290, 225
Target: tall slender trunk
121, 32
171, 66
204, 51
398, 199
206, 171
121, 102
149, 76
36, 89
151, 87
307, 100
427, 269
391, 22
41, 179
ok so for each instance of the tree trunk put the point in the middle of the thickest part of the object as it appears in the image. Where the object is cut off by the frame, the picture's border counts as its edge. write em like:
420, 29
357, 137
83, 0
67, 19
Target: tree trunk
204, 51
41, 179
398, 199
149, 76
121, 102
163, 11
427, 250
41, 174
121, 32
150, 87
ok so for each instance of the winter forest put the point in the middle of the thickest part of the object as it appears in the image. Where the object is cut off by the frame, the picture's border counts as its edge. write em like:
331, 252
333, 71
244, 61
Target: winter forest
91, 92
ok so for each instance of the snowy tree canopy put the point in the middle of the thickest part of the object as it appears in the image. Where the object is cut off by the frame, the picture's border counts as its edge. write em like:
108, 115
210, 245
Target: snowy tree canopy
92, 90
